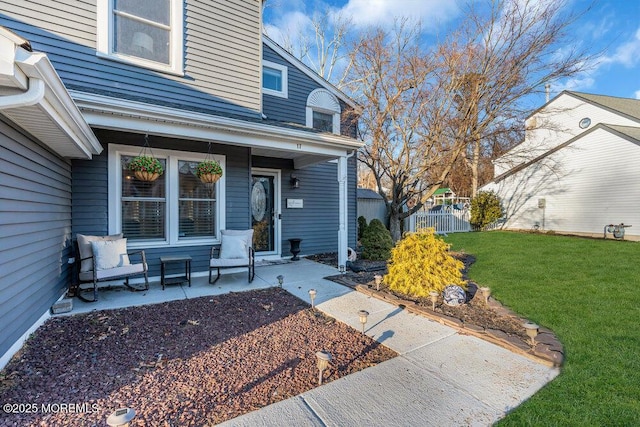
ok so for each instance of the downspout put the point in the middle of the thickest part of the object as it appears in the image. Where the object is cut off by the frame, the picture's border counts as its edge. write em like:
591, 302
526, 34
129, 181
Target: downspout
32, 96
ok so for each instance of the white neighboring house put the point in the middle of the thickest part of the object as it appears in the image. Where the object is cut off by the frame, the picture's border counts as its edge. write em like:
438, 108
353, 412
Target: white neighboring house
578, 168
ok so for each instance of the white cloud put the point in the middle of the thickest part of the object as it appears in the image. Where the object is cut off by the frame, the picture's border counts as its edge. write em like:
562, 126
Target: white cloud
637, 94
627, 54
432, 13
285, 18
578, 84
287, 28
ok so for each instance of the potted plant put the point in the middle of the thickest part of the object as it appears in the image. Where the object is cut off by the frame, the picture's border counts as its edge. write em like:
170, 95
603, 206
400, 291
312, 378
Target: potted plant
209, 171
146, 168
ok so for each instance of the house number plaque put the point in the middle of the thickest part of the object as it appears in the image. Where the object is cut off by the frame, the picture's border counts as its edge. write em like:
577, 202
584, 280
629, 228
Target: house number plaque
294, 203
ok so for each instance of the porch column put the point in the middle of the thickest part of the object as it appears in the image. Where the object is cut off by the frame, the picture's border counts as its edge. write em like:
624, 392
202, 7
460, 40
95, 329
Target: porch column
343, 220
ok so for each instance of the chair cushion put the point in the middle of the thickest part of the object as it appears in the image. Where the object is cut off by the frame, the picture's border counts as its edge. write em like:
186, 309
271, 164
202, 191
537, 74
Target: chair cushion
229, 262
110, 253
233, 247
123, 271
236, 243
84, 247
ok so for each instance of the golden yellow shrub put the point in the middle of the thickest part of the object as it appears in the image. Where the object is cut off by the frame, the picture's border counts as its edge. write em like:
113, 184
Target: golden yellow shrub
421, 263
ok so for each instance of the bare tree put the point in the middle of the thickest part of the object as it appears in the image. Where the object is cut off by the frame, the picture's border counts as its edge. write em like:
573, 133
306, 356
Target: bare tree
499, 56
320, 44
405, 121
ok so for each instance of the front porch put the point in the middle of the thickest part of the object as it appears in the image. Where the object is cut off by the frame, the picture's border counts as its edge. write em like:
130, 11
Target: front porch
299, 277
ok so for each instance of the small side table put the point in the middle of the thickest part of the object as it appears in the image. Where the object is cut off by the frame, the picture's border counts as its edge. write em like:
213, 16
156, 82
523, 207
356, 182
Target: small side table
164, 260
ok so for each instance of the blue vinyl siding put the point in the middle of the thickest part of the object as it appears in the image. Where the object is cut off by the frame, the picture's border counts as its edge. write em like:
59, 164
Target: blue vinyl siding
35, 231
90, 189
317, 222
221, 45
293, 108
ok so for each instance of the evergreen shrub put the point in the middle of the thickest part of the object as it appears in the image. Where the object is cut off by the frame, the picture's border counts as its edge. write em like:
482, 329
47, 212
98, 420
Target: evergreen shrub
362, 225
485, 209
376, 241
421, 263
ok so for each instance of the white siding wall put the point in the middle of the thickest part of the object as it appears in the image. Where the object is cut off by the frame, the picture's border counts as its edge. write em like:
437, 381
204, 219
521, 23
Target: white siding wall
590, 183
554, 125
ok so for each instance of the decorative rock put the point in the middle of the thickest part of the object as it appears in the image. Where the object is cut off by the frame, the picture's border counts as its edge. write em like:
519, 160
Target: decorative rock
454, 295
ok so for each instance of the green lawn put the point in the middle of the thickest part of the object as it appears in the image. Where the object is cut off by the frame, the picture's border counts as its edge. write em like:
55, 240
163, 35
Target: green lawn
588, 292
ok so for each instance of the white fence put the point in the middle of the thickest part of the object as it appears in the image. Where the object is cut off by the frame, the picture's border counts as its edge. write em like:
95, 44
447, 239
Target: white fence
446, 221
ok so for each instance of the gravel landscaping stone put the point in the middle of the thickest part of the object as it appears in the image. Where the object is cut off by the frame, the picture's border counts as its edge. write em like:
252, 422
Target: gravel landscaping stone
191, 362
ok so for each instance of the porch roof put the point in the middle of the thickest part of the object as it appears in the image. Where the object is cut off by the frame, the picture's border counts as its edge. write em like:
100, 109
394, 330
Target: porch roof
33, 96
304, 147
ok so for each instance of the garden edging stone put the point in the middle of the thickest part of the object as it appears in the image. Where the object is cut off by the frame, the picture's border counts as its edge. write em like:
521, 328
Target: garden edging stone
547, 350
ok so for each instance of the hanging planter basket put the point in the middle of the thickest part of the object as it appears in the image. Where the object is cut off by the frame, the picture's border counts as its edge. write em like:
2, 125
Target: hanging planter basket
146, 168
209, 171
146, 176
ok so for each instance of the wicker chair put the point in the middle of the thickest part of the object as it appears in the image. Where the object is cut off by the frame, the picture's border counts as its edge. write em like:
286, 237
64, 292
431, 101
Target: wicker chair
93, 268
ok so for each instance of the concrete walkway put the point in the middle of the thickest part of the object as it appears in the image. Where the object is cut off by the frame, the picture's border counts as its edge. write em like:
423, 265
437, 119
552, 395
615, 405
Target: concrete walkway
441, 378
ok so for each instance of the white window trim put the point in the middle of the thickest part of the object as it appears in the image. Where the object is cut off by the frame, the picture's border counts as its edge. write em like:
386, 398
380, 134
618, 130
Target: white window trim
323, 101
104, 48
284, 93
172, 194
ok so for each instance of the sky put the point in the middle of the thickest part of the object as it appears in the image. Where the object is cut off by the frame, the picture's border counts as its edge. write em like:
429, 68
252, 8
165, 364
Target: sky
611, 28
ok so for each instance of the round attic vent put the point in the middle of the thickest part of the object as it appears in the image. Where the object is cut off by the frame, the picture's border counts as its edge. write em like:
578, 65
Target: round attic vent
584, 123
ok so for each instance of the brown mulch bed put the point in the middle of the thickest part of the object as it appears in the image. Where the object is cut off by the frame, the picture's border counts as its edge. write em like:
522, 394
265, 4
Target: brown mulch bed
475, 311
183, 363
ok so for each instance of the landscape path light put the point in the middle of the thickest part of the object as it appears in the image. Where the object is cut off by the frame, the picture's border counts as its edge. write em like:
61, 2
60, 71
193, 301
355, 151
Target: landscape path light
121, 417
532, 332
312, 296
378, 280
324, 357
433, 296
280, 279
362, 314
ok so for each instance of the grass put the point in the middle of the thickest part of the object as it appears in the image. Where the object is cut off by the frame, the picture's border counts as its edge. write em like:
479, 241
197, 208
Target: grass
586, 291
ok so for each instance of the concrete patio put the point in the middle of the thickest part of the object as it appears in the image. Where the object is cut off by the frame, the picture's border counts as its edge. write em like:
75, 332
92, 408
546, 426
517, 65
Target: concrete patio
441, 378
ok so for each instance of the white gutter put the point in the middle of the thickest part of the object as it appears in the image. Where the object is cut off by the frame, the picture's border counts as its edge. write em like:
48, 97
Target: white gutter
32, 96
45, 109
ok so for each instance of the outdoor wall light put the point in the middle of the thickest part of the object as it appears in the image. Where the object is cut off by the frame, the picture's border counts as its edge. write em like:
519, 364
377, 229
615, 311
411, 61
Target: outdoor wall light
532, 332
294, 181
280, 279
324, 357
363, 318
433, 296
121, 417
378, 279
486, 293
312, 296
342, 269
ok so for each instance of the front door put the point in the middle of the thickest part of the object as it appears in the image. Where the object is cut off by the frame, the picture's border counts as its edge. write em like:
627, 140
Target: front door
265, 211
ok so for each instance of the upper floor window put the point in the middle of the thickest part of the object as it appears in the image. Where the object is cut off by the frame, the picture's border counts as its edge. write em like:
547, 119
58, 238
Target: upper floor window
274, 79
144, 32
323, 111
322, 121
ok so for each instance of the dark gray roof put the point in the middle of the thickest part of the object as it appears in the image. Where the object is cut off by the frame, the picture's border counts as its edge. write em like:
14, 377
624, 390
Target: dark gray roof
630, 131
627, 106
365, 193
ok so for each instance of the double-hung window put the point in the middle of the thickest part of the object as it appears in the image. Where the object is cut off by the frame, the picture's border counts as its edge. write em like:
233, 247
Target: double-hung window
175, 209
275, 79
143, 32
